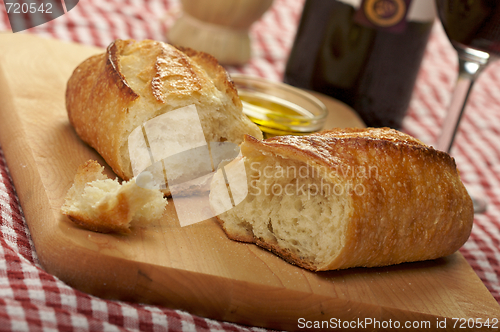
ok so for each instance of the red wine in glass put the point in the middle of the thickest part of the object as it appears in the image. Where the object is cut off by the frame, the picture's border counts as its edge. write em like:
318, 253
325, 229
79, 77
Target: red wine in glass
472, 23
473, 27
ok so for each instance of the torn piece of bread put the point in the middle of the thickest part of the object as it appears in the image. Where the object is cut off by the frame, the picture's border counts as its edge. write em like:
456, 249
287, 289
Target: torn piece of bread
100, 204
110, 95
349, 198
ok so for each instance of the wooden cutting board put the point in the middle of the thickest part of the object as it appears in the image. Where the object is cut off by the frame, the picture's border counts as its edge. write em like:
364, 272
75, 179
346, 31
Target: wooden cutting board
195, 268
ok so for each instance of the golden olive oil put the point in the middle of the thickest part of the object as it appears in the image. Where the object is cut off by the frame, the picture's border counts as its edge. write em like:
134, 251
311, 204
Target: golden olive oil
275, 116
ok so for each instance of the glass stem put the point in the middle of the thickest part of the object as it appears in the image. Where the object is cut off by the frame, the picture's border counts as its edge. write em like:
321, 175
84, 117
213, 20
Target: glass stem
470, 65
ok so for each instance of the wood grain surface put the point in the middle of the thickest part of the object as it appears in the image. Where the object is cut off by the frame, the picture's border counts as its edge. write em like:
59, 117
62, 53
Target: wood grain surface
195, 268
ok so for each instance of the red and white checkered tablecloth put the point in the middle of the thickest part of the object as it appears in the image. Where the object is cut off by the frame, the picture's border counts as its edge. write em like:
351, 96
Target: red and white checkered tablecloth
31, 299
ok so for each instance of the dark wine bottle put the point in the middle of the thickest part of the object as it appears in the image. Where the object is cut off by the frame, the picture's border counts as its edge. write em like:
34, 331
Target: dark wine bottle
366, 53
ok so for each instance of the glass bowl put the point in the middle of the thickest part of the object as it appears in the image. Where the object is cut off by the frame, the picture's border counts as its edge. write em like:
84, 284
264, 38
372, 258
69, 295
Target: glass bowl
278, 108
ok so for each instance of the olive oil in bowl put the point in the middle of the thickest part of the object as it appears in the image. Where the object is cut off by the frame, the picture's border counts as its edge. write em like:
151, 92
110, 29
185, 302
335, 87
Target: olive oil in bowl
279, 109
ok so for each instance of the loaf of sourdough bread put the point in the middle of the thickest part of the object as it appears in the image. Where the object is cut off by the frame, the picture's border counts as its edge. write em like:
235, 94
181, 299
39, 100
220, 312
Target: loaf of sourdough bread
349, 198
112, 94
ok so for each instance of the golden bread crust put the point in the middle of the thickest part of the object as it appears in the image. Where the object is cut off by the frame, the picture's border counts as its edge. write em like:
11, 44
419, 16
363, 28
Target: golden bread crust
219, 75
97, 100
107, 222
111, 94
412, 206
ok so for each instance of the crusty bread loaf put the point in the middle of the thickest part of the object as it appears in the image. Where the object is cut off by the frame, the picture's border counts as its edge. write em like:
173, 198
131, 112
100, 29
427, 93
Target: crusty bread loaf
111, 94
103, 205
349, 198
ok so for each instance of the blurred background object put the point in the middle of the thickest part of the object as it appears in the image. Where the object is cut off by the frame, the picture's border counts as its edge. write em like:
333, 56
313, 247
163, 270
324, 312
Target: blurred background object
218, 27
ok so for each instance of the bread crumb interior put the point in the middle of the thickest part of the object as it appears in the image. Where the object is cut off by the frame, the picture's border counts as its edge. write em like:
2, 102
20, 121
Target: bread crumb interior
290, 205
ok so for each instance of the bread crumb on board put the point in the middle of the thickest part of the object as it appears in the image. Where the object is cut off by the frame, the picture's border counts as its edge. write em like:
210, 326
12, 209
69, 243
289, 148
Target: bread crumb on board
103, 205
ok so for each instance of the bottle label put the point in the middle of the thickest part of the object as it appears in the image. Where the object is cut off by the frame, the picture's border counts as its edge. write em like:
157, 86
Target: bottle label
419, 11
389, 15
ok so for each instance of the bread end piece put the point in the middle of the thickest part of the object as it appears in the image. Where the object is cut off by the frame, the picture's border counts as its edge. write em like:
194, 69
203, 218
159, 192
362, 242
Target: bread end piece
103, 205
111, 94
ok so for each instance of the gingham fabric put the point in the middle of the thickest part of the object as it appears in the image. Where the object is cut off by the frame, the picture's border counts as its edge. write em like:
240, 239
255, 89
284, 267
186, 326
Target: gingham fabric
31, 299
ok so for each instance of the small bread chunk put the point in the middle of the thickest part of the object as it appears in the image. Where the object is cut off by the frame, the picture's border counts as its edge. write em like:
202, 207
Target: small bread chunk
349, 198
103, 205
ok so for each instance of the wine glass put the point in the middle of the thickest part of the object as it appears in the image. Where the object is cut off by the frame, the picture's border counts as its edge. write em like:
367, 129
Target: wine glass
473, 27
